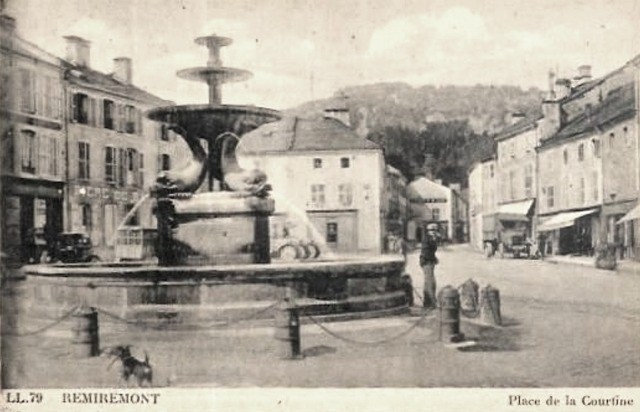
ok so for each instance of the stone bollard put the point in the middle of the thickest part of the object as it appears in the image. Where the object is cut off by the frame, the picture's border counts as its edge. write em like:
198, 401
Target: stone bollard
490, 306
287, 330
469, 298
86, 340
449, 302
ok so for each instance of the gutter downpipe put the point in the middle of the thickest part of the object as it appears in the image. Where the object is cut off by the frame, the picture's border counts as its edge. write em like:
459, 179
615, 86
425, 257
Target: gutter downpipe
67, 195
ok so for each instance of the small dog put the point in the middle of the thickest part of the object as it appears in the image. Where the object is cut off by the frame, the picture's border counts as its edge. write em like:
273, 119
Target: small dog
131, 366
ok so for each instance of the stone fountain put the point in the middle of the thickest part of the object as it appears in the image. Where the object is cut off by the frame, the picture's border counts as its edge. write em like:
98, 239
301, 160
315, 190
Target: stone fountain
213, 237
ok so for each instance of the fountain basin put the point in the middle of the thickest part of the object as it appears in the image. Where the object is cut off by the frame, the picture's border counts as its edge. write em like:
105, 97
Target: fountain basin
209, 121
189, 296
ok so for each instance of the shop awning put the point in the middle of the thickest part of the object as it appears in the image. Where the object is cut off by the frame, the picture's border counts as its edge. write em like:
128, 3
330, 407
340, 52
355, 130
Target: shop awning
632, 215
517, 211
563, 220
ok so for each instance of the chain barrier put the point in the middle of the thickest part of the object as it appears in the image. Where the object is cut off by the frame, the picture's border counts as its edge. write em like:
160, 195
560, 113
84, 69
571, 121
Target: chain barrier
212, 325
45, 328
402, 334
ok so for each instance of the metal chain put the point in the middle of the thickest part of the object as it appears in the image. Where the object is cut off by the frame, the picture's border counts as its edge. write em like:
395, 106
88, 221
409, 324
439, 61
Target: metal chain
423, 316
45, 328
206, 326
253, 316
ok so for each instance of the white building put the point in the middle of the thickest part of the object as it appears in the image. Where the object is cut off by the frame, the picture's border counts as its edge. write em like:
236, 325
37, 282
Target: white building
430, 203
327, 182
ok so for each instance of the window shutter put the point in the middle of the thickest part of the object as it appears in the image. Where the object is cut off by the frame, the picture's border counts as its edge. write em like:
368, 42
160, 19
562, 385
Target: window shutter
72, 107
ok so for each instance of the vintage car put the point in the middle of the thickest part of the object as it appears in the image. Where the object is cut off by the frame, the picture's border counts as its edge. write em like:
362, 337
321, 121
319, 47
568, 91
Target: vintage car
73, 247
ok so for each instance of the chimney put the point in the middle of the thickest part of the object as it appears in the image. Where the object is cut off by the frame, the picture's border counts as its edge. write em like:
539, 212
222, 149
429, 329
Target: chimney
552, 113
78, 51
122, 69
7, 24
584, 74
516, 117
552, 86
340, 114
563, 88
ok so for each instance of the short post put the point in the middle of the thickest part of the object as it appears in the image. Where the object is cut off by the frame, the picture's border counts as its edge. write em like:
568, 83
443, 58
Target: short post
490, 306
287, 330
449, 301
86, 339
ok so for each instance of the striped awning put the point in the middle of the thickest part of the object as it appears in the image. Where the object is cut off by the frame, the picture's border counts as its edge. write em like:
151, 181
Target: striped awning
517, 211
563, 220
633, 214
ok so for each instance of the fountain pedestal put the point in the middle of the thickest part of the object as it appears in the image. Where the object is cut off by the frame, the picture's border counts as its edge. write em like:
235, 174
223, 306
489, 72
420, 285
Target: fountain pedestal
215, 228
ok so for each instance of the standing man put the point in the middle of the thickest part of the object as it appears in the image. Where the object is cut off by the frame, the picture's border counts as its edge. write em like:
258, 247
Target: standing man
428, 262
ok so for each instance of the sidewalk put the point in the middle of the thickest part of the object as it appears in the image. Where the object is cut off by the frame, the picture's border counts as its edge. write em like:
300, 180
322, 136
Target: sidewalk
626, 266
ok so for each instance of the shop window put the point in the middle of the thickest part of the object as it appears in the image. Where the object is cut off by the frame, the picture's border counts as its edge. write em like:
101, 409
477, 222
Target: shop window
332, 232
344, 162
84, 161
28, 151
108, 112
317, 163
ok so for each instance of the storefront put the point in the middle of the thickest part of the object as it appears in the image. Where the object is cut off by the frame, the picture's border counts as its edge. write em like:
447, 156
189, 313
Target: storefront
569, 232
32, 215
99, 211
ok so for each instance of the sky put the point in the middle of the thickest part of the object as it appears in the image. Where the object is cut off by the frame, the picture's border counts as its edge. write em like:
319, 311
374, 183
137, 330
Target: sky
299, 50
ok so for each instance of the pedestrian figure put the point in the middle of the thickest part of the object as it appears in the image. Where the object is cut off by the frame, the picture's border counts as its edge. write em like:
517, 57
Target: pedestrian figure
428, 261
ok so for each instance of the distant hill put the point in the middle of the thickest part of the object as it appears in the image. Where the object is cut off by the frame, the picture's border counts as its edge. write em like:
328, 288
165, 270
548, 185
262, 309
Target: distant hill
376, 106
433, 131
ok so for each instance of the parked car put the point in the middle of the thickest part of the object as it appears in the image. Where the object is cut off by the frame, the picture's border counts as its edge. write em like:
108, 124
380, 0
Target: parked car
74, 247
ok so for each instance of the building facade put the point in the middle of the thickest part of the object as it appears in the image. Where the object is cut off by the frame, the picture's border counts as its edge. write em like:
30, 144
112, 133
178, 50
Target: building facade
482, 203
328, 183
589, 167
114, 152
395, 206
430, 204
516, 176
33, 146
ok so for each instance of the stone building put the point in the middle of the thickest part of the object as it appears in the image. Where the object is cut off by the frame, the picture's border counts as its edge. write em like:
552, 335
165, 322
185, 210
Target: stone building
588, 165
114, 152
516, 177
327, 181
430, 204
33, 145
483, 205
395, 205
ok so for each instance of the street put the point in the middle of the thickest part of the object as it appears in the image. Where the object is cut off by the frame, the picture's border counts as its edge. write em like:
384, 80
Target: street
564, 326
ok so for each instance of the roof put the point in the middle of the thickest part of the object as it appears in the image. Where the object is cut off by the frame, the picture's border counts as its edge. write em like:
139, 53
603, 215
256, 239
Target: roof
297, 134
422, 189
85, 76
619, 105
527, 123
